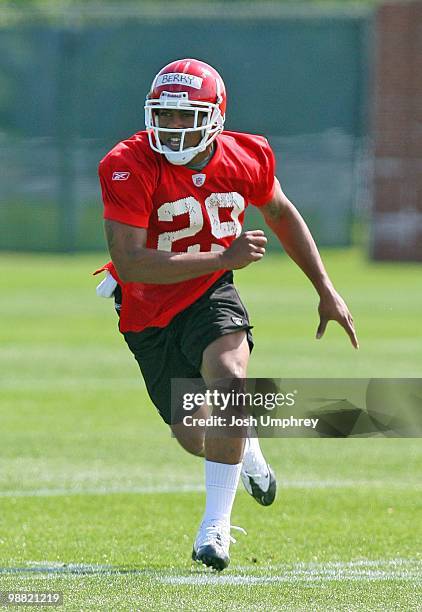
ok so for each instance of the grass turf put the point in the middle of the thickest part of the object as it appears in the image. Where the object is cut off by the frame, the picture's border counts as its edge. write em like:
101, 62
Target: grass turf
98, 502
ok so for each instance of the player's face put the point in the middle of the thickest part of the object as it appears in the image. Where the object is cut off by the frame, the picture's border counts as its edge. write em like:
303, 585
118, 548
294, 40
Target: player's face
178, 119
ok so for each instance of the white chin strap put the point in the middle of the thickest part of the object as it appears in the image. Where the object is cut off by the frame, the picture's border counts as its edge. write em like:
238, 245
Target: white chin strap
181, 158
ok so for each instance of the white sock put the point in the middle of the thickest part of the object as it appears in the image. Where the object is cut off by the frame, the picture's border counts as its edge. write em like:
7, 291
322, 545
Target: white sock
221, 480
253, 459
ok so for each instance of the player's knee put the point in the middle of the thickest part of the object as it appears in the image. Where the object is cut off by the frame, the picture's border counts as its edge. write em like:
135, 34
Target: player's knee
232, 369
194, 447
192, 442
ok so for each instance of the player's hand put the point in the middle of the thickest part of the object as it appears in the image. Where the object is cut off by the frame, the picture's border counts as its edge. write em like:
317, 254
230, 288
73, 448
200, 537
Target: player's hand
247, 248
332, 307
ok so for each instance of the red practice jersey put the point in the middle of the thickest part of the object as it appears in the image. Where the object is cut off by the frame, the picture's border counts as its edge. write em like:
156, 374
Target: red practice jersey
183, 211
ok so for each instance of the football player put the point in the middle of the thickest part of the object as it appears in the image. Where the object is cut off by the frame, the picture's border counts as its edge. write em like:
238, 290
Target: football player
174, 202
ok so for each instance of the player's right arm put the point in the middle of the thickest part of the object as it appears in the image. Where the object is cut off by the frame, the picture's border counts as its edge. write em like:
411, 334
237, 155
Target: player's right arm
135, 263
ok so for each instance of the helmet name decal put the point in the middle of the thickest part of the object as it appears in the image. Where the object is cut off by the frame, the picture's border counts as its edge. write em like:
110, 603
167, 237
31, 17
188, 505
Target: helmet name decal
178, 78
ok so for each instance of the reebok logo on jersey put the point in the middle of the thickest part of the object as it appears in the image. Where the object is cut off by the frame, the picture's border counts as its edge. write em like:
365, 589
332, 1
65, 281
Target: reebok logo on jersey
120, 176
179, 78
198, 179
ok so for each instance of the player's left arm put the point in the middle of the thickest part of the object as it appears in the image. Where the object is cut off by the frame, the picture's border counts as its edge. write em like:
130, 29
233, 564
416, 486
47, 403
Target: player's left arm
284, 220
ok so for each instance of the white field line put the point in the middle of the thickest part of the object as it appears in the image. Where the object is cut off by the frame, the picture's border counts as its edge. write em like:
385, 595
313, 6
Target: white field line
363, 570
182, 488
357, 571
194, 487
291, 578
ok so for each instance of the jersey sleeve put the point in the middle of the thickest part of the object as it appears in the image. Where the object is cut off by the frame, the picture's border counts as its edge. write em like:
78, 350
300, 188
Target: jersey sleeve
127, 188
263, 186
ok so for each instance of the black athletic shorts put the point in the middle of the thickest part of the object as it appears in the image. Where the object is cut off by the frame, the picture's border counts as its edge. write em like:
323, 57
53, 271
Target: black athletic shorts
175, 351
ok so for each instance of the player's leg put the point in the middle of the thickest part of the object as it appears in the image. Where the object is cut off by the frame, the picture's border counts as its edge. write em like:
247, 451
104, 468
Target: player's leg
192, 438
223, 352
225, 359
160, 360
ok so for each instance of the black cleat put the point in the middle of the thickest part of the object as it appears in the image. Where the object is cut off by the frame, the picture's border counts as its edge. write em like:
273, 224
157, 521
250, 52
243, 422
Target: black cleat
263, 488
212, 556
212, 544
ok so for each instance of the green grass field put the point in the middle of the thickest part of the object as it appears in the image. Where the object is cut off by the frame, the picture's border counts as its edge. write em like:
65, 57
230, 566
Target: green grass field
98, 502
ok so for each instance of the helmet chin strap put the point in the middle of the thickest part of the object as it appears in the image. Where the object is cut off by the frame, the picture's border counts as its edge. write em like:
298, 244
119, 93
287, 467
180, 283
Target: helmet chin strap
181, 158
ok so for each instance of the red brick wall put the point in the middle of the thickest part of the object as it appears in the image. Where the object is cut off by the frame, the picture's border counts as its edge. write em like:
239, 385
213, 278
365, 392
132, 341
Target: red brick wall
397, 127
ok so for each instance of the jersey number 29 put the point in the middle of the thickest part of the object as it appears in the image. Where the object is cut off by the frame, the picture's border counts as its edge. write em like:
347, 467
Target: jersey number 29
219, 229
